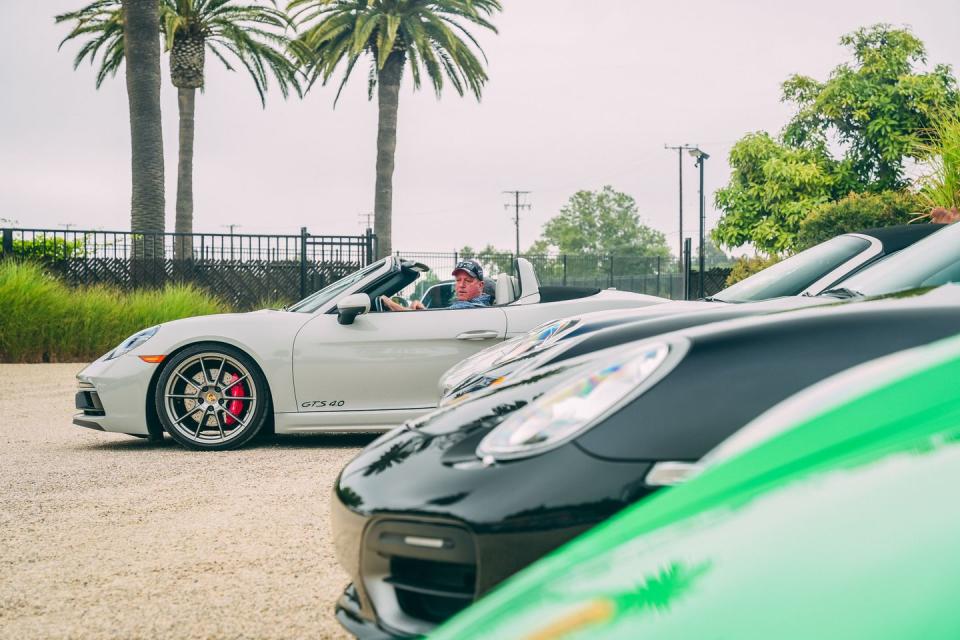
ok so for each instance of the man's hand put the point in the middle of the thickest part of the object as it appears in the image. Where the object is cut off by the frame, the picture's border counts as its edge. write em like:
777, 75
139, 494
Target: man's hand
395, 306
390, 304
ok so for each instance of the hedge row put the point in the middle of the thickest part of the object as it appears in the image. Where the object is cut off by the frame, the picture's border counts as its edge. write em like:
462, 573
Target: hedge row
44, 320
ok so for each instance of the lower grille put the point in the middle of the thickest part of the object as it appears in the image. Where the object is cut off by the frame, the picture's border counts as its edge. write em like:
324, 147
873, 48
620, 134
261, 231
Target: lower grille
418, 574
432, 591
89, 402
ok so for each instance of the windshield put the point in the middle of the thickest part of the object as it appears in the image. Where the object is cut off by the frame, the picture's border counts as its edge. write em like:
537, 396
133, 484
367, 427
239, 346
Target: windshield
791, 276
933, 261
313, 302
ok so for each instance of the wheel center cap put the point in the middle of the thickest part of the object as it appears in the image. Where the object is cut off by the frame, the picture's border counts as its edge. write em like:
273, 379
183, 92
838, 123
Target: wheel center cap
211, 397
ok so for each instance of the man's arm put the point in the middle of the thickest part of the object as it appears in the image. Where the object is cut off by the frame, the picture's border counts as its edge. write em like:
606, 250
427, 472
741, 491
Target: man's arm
396, 306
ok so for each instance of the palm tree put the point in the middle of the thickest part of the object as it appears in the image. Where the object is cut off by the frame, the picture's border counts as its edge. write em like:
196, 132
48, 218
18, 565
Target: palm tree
109, 20
254, 35
431, 35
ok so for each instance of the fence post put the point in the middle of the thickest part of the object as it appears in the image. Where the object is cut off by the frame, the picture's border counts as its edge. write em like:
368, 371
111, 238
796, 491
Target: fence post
564, 269
7, 243
611, 271
687, 247
369, 241
658, 275
303, 262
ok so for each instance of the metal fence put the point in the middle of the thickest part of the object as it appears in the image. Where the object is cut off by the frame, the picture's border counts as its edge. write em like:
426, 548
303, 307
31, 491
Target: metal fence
248, 270
242, 269
658, 276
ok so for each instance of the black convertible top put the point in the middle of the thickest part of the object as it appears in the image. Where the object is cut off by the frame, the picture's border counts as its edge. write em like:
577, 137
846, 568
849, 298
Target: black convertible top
901, 236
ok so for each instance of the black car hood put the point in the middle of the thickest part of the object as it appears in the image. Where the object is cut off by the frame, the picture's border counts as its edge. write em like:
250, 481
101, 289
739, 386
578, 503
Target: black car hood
734, 371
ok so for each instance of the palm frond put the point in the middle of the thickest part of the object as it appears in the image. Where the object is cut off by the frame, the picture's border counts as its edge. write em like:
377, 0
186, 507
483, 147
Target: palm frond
433, 35
252, 33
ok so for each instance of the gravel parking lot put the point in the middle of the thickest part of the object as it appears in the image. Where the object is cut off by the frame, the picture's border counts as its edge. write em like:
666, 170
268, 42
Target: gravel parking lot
111, 536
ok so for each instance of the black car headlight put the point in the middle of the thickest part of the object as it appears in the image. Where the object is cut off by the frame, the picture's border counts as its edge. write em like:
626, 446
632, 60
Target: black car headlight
534, 340
572, 408
132, 342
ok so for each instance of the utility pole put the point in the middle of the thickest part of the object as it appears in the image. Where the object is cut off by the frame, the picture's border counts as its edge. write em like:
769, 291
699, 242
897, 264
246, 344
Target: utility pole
516, 208
366, 219
231, 227
680, 149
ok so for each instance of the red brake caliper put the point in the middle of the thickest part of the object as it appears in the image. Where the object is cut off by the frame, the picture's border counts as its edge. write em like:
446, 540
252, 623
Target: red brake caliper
234, 406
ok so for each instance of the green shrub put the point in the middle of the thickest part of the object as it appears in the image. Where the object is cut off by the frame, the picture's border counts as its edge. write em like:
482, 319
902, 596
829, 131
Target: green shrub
746, 267
856, 212
51, 248
44, 320
940, 183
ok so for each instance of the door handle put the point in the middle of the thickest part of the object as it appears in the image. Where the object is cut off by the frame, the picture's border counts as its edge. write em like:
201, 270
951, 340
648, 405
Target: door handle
479, 334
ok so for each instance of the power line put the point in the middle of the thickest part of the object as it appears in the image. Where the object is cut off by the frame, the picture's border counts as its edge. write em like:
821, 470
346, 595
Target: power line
516, 208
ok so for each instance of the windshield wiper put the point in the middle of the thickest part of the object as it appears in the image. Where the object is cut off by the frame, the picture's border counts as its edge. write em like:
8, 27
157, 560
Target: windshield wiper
842, 292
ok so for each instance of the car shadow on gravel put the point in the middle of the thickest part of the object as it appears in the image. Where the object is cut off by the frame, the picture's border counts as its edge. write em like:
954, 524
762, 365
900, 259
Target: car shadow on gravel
314, 441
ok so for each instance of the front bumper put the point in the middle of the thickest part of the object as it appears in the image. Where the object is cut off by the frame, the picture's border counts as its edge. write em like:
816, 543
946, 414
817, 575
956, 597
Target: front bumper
412, 573
112, 395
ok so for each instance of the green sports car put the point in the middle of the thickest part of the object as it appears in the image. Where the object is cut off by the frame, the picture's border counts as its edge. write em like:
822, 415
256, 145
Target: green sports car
834, 515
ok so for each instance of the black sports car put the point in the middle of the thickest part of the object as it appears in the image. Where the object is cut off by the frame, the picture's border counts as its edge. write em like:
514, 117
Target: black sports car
433, 515
779, 288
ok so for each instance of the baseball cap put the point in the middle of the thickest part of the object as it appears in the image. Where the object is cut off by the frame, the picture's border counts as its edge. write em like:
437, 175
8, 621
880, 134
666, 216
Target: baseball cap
472, 267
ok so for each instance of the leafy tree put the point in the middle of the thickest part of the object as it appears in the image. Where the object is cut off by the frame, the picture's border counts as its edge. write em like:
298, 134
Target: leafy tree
592, 227
856, 212
772, 188
874, 107
252, 34
429, 36
604, 222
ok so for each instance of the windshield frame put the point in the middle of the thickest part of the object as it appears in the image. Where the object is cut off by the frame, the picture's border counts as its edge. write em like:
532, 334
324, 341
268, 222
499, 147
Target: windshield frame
906, 255
337, 290
841, 271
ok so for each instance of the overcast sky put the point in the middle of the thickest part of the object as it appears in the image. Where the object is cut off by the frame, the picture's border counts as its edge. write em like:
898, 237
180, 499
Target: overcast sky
581, 94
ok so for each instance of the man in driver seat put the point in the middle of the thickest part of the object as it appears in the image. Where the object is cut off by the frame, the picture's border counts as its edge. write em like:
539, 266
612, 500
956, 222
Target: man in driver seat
468, 289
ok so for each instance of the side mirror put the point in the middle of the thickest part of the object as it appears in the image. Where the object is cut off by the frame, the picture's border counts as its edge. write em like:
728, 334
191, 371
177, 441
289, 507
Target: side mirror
352, 306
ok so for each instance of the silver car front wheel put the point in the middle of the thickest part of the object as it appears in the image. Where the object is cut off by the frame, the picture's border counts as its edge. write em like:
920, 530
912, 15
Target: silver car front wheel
211, 397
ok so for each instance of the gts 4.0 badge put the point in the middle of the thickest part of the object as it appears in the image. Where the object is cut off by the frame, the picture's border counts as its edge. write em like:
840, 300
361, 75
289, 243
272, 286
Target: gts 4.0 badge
319, 404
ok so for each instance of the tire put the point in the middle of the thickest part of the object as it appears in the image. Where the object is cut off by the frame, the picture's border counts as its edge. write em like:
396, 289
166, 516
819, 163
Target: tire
212, 397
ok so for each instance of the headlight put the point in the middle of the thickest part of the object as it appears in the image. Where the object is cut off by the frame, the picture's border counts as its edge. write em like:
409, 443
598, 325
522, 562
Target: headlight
537, 338
572, 408
132, 342
477, 363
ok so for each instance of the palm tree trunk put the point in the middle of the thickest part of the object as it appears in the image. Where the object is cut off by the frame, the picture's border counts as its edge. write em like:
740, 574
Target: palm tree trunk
142, 52
183, 249
388, 95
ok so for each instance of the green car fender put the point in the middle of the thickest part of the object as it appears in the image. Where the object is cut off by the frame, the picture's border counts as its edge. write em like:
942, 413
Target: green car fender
842, 524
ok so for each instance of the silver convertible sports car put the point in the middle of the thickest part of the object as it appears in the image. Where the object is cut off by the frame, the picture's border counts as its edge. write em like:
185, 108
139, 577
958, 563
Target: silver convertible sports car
331, 362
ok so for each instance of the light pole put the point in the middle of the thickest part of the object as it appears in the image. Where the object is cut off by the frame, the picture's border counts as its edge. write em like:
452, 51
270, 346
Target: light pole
701, 157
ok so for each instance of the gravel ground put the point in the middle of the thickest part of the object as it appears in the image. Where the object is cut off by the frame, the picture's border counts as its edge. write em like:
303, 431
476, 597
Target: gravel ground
108, 536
